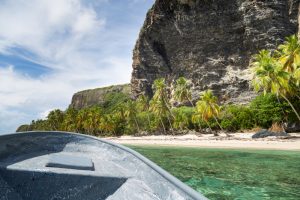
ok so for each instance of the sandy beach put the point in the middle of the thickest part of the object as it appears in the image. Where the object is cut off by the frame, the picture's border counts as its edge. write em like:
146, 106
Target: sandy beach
236, 141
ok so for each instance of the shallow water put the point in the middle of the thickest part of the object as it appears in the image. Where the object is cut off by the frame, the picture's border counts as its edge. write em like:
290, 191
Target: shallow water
232, 174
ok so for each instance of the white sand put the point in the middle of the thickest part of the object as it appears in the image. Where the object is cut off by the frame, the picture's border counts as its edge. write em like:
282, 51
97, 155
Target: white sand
236, 141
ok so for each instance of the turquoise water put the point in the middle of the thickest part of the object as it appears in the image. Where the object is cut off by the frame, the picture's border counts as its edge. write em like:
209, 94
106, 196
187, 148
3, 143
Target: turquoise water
232, 174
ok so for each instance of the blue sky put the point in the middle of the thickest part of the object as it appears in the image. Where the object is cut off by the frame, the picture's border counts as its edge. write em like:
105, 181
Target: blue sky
50, 49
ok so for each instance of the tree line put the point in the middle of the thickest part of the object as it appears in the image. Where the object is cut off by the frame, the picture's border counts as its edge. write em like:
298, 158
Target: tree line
276, 77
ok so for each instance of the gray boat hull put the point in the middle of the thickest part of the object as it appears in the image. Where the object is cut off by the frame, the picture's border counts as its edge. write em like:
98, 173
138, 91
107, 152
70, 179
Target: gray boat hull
60, 165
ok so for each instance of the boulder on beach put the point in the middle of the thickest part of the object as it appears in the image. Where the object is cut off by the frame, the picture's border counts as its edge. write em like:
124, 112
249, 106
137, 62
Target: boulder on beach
265, 133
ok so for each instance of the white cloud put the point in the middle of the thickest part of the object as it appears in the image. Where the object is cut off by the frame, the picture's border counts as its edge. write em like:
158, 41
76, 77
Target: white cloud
51, 29
72, 39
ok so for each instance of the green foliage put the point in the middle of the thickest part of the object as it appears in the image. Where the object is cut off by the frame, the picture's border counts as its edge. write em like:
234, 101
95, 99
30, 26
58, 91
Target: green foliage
268, 109
207, 108
23, 128
182, 91
182, 118
237, 117
55, 119
145, 119
70, 119
277, 73
113, 100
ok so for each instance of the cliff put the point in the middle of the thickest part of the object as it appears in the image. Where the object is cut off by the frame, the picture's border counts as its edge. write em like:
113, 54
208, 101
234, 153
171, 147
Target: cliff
98, 96
210, 42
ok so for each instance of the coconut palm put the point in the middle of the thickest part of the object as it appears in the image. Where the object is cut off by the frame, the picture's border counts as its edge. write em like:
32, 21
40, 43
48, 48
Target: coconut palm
269, 76
182, 91
181, 120
160, 102
108, 124
69, 123
207, 107
143, 105
55, 119
289, 53
131, 113
158, 108
81, 117
296, 76
289, 57
93, 120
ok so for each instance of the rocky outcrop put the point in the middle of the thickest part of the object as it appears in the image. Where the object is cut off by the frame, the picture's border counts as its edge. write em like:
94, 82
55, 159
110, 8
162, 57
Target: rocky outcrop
209, 42
97, 96
265, 133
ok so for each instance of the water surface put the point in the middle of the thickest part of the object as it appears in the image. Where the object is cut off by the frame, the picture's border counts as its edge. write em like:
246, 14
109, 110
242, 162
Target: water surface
232, 174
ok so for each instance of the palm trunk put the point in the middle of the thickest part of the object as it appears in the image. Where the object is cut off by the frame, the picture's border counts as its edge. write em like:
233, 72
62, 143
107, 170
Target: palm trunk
220, 126
137, 125
170, 111
200, 128
199, 124
295, 111
149, 122
170, 123
210, 127
162, 123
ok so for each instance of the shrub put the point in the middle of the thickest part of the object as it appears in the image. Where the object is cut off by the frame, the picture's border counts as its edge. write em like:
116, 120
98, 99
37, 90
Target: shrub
182, 117
268, 110
237, 117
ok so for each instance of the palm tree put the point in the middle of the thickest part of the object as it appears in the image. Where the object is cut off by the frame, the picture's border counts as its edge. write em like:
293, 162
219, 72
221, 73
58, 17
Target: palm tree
181, 120
131, 112
269, 76
296, 76
160, 89
108, 124
182, 91
55, 119
207, 107
160, 102
289, 57
158, 108
69, 123
143, 105
289, 53
81, 117
93, 120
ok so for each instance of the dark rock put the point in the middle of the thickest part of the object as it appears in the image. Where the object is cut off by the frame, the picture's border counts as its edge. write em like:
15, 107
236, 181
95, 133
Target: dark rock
209, 42
265, 133
292, 127
97, 96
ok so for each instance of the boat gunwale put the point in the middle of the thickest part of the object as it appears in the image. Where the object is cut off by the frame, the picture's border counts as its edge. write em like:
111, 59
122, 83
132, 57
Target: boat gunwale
173, 180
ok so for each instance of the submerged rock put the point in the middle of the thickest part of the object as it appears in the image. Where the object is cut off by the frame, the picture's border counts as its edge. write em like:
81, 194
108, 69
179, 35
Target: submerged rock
209, 42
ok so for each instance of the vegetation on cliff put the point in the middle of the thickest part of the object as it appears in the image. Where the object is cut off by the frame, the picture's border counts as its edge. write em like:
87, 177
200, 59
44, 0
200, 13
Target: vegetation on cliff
275, 74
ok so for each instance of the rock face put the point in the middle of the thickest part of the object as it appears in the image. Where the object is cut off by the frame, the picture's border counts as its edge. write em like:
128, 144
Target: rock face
97, 96
210, 42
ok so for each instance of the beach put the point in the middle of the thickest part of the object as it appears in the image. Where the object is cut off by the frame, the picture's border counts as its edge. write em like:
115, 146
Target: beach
235, 141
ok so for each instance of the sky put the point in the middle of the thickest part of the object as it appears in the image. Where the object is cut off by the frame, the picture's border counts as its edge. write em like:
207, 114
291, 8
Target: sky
50, 49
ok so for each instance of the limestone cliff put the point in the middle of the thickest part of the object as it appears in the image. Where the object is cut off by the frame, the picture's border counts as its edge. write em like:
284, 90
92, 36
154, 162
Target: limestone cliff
97, 96
209, 42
